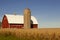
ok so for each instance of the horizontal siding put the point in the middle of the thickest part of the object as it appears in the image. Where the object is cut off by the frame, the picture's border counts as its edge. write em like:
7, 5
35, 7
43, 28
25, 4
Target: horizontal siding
22, 25
16, 25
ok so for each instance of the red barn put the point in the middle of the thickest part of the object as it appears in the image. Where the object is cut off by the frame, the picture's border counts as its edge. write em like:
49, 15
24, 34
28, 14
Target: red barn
17, 21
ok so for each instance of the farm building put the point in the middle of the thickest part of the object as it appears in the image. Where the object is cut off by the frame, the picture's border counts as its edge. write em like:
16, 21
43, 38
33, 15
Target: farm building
17, 21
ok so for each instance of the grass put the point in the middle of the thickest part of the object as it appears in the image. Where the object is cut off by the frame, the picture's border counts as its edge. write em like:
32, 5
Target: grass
10, 37
29, 34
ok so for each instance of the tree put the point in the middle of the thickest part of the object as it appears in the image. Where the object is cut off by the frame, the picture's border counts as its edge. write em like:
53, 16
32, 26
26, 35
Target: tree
0, 24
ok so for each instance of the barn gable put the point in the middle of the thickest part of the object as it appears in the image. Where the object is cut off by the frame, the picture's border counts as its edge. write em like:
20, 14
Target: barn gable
18, 19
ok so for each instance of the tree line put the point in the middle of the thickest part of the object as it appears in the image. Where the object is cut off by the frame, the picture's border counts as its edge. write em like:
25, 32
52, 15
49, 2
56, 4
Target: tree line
0, 24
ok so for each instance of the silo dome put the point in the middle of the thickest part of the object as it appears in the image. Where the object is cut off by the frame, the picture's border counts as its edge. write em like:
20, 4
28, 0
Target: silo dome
27, 10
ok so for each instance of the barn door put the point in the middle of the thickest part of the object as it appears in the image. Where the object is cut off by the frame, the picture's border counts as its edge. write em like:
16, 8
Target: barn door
31, 24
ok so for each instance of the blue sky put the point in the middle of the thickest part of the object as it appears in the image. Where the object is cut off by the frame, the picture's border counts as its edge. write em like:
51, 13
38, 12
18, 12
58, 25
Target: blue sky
47, 12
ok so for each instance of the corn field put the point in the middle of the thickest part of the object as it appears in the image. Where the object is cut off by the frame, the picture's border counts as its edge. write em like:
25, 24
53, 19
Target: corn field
29, 34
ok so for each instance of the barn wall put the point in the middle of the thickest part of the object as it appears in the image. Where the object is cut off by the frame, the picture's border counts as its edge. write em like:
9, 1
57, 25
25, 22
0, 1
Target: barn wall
5, 22
22, 26
34, 25
16, 25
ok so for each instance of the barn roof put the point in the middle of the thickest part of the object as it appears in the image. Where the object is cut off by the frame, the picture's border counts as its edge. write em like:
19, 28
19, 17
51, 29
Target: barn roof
19, 19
